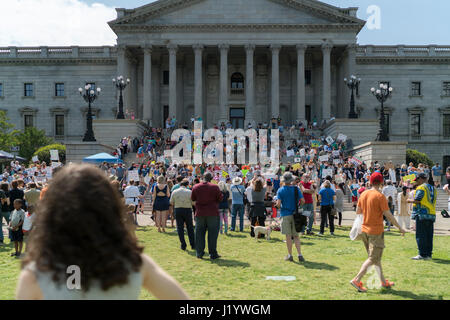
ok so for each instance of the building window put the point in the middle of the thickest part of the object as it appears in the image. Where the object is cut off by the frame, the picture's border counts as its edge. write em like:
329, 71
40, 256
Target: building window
166, 75
237, 83
28, 90
416, 88
1, 89
415, 124
93, 86
446, 126
308, 76
446, 88
59, 125
28, 121
59, 89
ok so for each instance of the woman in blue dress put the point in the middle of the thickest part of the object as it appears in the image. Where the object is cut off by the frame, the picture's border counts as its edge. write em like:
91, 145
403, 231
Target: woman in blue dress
161, 204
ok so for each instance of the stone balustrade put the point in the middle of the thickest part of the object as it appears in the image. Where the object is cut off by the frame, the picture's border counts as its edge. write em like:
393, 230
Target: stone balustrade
58, 52
403, 51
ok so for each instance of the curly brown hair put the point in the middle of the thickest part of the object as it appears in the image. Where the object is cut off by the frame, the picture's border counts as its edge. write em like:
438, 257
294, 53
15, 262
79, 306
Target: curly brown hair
82, 221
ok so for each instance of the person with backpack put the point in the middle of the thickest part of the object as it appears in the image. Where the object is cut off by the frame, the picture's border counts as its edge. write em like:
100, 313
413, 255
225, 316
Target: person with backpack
224, 207
286, 200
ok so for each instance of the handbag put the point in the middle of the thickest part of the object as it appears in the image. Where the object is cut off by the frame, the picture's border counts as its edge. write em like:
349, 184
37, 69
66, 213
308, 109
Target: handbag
333, 211
243, 195
299, 219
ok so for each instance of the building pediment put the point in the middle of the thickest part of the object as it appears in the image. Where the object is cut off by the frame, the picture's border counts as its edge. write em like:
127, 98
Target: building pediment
234, 12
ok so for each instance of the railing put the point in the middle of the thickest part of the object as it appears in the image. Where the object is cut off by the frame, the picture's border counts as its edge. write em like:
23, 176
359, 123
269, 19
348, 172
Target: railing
58, 52
403, 51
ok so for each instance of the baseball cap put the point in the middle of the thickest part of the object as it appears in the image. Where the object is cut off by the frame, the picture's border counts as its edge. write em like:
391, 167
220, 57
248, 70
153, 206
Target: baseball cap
376, 177
421, 176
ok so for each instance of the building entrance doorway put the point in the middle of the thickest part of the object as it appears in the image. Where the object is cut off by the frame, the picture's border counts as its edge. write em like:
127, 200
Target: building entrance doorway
237, 118
308, 114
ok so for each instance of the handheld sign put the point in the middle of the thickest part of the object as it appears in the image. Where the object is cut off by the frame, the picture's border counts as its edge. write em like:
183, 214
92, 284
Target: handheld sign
341, 137
329, 140
35, 159
297, 160
290, 153
323, 158
54, 156
133, 175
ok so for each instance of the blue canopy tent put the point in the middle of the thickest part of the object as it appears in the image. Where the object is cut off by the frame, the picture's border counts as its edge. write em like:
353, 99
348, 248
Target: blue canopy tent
102, 157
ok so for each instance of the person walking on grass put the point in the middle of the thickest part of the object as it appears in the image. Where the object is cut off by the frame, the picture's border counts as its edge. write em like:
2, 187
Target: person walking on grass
373, 205
327, 197
286, 196
237, 204
424, 213
182, 203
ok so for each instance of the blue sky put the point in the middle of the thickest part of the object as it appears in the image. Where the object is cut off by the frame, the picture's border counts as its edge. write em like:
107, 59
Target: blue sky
65, 22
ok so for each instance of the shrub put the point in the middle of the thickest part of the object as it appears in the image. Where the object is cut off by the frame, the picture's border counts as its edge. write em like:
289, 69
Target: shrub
44, 153
417, 157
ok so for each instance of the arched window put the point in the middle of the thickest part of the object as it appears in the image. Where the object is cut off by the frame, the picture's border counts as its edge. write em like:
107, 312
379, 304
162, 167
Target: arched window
237, 83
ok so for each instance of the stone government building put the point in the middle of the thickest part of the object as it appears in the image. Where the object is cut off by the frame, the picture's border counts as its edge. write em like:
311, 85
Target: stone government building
243, 61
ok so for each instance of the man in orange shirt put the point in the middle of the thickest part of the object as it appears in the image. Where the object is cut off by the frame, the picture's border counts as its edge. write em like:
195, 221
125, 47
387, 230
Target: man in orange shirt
373, 206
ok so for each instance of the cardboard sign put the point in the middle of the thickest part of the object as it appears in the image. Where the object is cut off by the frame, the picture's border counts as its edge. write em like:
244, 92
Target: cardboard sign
302, 152
341, 137
323, 158
336, 161
411, 177
297, 166
54, 156
297, 160
147, 179
35, 159
336, 153
327, 172
329, 140
290, 153
315, 144
133, 175
355, 161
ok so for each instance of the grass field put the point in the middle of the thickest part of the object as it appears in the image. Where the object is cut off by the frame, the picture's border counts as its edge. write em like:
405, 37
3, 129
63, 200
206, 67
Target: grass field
241, 273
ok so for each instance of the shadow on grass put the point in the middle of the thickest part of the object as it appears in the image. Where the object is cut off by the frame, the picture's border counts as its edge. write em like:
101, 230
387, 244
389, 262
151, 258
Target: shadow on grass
410, 295
7, 247
440, 261
221, 262
317, 265
235, 235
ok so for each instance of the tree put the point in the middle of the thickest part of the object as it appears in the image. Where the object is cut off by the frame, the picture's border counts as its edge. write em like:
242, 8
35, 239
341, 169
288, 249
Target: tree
44, 153
8, 135
417, 157
31, 140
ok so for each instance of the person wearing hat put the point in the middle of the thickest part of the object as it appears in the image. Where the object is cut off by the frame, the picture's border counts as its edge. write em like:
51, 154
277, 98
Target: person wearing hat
373, 205
424, 213
286, 196
237, 203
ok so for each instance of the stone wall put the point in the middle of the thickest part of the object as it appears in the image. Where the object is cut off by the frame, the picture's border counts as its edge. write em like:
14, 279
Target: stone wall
358, 130
77, 151
110, 132
381, 152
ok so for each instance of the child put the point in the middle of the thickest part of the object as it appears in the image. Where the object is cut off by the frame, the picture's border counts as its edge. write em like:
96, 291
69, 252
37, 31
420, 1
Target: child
28, 224
15, 225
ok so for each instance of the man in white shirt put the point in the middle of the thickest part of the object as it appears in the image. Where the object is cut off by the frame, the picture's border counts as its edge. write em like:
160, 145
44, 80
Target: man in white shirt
390, 191
132, 195
182, 203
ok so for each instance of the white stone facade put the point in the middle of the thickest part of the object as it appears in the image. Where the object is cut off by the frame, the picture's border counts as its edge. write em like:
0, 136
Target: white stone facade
181, 55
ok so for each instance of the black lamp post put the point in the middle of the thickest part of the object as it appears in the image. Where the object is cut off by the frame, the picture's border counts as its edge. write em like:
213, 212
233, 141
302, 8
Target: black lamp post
353, 84
89, 96
382, 94
121, 84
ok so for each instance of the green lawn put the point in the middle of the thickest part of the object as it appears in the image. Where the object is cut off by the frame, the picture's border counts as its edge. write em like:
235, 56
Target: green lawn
240, 274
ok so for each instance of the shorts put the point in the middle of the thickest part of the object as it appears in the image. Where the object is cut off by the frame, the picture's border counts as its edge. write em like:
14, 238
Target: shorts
288, 226
374, 244
17, 235
436, 178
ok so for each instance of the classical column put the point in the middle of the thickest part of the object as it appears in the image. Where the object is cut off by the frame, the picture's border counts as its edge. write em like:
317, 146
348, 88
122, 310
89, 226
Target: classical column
301, 48
250, 85
326, 90
147, 112
223, 95
173, 48
276, 80
198, 101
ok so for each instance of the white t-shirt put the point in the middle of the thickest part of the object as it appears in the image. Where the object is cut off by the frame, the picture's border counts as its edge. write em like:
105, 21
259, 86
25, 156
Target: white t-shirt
131, 194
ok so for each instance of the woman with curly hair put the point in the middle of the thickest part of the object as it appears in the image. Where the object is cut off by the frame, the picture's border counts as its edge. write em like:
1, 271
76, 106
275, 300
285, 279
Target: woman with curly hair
73, 230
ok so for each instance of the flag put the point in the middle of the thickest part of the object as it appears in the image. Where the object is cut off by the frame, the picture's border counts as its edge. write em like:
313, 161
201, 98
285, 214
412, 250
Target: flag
224, 174
244, 173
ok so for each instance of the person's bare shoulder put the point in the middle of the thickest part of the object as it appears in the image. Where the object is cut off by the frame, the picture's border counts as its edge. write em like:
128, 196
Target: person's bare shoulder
28, 287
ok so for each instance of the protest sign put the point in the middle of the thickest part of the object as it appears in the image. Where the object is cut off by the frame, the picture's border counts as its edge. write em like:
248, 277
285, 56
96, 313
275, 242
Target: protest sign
336, 161
297, 166
329, 140
341, 137
336, 153
315, 144
297, 160
147, 179
411, 177
327, 172
133, 175
290, 153
356, 161
35, 159
323, 158
302, 152
54, 155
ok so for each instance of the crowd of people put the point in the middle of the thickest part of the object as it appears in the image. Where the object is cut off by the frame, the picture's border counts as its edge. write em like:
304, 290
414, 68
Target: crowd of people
200, 200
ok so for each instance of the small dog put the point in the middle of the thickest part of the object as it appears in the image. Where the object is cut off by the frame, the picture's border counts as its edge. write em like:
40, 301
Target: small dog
262, 230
